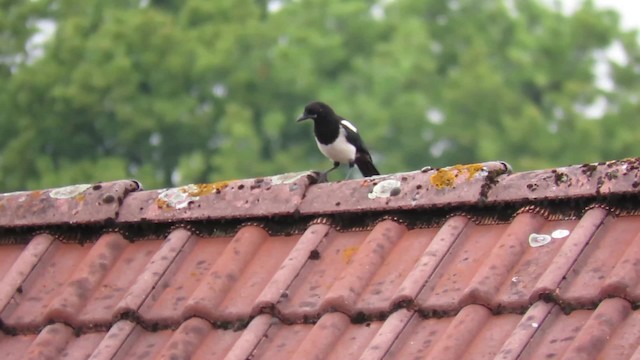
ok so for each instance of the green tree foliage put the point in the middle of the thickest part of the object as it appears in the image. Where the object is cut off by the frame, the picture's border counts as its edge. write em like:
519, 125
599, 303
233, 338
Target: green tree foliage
173, 92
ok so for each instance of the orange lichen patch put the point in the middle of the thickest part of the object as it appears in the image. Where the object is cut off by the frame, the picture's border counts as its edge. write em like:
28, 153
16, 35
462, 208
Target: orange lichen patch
446, 177
365, 182
162, 203
35, 194
80, 197
30, 196
348, 253
204, 189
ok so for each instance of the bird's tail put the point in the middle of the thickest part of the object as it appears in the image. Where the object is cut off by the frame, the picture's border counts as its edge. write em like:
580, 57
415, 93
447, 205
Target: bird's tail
366, 167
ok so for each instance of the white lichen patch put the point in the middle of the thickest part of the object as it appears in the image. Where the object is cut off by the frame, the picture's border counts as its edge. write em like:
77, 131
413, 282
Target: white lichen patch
68, 191
178, 198
287, 178
385, 188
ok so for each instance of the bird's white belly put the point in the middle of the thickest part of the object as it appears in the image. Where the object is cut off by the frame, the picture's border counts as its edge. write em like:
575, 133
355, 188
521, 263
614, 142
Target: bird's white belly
340, 150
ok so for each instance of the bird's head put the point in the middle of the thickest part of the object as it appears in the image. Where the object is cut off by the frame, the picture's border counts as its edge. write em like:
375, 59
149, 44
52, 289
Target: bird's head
315, 110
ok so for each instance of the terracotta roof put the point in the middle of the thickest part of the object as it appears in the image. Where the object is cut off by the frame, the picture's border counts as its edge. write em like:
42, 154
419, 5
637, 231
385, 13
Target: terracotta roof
463, 262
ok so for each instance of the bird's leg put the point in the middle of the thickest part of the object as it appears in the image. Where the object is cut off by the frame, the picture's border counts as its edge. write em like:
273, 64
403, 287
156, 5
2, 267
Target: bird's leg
323, 176
350, 172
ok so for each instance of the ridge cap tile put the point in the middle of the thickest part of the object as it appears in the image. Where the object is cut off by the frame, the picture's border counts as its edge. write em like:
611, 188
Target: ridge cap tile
478, 184
229, 199
74, 204
472, 185
457, 184
587, 180
454, 289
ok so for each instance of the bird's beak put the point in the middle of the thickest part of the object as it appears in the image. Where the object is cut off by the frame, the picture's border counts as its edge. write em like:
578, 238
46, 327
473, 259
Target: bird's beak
303, 117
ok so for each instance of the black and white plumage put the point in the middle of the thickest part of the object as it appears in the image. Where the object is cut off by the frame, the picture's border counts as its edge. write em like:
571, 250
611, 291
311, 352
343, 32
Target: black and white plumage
338, 139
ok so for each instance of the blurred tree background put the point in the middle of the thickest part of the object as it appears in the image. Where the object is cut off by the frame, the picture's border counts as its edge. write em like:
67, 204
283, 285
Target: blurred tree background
175, 92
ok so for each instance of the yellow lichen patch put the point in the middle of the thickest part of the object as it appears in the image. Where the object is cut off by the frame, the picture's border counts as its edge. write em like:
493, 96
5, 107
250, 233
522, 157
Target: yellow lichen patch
472, 169
204, 189
348, 253
443, 178
80, 197
446, 177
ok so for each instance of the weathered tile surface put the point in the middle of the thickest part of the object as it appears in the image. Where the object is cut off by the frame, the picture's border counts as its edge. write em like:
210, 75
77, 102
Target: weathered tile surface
466, 262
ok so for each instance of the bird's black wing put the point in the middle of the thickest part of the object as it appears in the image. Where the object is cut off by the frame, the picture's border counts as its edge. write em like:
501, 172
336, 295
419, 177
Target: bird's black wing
352, 136
363, 158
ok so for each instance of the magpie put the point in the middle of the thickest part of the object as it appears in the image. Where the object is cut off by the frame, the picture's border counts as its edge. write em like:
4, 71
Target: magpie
338, 139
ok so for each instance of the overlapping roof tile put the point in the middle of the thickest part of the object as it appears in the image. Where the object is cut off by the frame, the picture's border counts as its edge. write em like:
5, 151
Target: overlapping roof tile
469, 261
